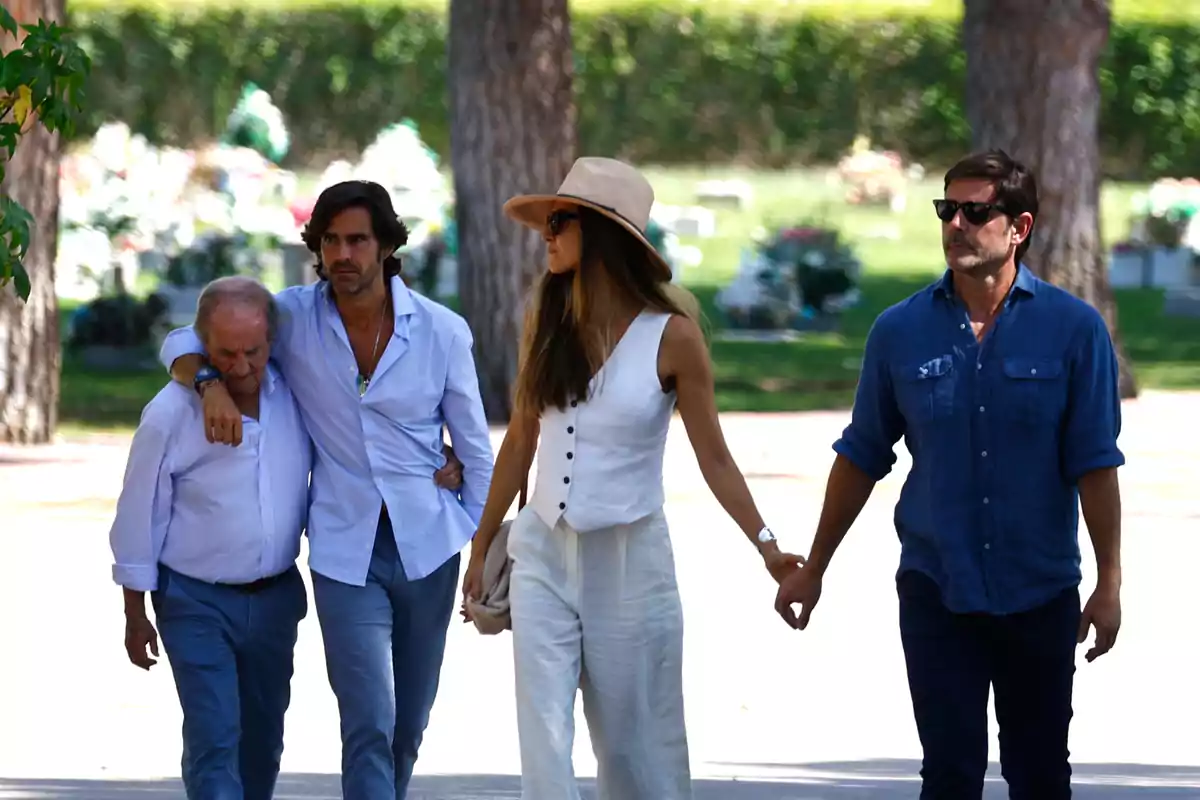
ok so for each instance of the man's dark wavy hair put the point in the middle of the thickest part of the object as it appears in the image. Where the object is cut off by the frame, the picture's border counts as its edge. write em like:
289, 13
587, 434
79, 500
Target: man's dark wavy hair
389, 230
1015, 185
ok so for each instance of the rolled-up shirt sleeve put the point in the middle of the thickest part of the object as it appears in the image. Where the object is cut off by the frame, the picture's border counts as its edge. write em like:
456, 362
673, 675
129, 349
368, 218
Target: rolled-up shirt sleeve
179, 342
462, 408
876, 423
1094, 406
143, 510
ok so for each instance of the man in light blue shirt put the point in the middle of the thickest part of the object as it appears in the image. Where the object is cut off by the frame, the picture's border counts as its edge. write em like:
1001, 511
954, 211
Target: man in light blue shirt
378, 372
213, 533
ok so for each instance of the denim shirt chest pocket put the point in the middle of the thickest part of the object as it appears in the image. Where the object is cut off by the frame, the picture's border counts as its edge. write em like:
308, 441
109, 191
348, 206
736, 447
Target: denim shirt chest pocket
1034, 390
925, 389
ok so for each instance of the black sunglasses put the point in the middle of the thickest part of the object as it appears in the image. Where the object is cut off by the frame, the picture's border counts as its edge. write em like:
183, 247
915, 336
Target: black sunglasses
557, 221
974, 213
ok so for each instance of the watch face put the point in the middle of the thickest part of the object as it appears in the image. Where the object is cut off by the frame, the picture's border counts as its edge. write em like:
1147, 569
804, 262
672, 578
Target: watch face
205, 376
765, 535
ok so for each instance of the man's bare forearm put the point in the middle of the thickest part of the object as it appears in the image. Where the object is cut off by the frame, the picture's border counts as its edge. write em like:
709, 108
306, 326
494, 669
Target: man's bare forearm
135, 603
846, 492
1100, 499
184, 368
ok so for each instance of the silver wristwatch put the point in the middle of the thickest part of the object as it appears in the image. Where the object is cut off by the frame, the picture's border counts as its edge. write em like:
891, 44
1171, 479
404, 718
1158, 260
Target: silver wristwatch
765, 536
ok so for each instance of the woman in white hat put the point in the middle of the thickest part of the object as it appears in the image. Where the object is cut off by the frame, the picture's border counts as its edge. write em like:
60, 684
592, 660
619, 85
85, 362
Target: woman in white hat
611, 348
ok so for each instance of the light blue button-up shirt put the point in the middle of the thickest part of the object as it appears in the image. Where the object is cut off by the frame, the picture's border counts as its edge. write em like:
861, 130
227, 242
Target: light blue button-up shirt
208, 511
385, 446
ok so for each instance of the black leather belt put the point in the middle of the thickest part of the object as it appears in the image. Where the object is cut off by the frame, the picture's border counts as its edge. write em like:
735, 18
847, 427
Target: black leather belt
254, 587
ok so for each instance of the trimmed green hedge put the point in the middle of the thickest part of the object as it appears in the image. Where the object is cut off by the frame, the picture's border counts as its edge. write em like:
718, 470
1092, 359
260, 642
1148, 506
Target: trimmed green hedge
1123, 10
653, 85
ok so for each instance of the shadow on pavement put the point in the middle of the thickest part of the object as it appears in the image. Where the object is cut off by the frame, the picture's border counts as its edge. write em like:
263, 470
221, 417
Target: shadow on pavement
882, 779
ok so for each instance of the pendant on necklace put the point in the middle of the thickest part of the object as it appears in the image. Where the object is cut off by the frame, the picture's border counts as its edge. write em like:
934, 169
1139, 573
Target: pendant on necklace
363, 383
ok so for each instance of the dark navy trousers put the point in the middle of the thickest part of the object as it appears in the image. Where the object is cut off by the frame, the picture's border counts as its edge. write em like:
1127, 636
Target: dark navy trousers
1026, 659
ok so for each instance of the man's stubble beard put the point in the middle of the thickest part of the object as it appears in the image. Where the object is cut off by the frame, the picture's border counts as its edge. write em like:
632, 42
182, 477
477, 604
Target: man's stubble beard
979, 265
366, 281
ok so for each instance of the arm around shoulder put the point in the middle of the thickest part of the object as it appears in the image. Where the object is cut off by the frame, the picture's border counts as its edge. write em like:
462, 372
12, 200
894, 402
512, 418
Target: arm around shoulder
182, 353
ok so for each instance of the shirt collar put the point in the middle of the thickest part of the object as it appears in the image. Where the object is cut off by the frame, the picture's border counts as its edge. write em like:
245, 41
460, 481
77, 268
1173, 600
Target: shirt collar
1026, 283
402, 301
268, 381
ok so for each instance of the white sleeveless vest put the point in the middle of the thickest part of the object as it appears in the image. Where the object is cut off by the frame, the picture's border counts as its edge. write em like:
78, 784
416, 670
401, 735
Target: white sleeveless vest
600, 461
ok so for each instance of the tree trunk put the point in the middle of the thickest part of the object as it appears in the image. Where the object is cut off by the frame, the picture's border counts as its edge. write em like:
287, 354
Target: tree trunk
1033, 90
512, 131
29, 333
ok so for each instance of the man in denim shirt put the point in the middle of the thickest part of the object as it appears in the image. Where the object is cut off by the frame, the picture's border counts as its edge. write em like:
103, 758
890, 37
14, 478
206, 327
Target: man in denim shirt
1004, 388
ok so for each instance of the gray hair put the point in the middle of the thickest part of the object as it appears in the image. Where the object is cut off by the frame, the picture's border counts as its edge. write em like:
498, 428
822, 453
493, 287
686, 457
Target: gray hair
235, 289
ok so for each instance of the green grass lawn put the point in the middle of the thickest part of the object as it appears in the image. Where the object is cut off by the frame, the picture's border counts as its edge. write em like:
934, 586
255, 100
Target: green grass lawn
93, 400
901, 252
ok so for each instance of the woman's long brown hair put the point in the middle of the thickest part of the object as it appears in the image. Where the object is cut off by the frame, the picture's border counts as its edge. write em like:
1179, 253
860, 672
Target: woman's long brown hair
562, 345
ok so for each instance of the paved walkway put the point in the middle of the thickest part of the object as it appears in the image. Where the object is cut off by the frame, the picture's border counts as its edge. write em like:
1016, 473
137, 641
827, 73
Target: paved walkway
771, 713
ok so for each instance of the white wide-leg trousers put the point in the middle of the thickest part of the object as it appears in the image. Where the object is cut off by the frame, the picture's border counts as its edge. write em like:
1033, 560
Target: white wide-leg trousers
599, 612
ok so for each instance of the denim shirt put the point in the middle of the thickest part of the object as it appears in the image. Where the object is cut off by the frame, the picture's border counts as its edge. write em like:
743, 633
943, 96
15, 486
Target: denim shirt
1000, 431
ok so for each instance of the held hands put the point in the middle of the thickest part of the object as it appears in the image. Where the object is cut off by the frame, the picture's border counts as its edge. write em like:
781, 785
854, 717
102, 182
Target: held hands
781, 564
784, 567
140, 636
803, 587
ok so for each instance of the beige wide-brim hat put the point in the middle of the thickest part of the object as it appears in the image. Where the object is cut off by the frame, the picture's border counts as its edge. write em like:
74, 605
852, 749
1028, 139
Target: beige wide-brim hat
611, 187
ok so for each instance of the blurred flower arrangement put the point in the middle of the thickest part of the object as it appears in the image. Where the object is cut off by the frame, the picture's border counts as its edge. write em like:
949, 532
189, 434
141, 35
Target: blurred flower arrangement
1166, 215
255, 123
793, 276
875, 177
129, 203
163, 222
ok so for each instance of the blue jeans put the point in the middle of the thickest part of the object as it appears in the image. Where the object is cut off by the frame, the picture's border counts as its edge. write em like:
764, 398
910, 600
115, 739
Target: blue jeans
1028, 662
230, 650
383, 650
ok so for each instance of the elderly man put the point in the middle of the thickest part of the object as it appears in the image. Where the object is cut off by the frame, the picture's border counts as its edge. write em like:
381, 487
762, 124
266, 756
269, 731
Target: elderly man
378, 372
213, 533
1004, 387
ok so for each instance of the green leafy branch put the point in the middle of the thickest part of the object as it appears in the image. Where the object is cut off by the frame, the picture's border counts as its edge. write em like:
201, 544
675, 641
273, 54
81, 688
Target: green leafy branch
40, 80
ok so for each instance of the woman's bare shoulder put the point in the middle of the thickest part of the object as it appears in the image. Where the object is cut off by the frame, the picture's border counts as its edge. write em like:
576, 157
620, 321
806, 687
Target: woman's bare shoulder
683, 332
